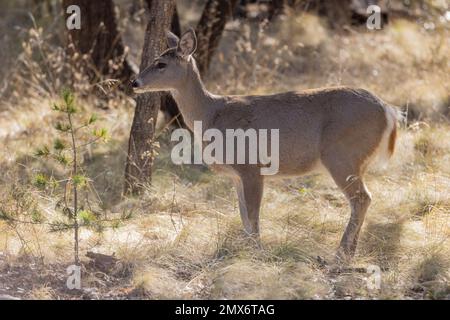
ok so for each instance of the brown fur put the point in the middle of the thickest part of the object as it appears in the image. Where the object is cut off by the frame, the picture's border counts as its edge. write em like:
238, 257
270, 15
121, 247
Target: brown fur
392, 139
340, 128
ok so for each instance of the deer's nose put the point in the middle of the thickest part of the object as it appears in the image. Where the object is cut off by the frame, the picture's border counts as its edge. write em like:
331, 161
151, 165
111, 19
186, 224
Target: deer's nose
136, 83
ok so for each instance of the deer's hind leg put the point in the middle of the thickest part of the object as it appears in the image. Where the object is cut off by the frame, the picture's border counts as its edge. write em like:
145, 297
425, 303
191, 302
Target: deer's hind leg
348, 176
249, 187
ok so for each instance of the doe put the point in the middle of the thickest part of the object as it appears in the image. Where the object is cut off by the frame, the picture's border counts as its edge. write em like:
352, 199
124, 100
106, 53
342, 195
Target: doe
339, 128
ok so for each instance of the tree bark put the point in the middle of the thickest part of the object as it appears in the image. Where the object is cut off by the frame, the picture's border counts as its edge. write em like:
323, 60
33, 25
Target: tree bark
210, 28
209, 31
140, 146
175, 26
276, 8
338, 13
168, 104
100, 39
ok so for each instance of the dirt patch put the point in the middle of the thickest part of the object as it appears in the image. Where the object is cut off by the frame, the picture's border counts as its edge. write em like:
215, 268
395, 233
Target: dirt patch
28, 279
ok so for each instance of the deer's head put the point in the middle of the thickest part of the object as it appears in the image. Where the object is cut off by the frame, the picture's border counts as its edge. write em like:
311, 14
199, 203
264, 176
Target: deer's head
171, 68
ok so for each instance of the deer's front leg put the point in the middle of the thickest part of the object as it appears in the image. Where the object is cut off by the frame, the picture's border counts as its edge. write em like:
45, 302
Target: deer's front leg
249, 188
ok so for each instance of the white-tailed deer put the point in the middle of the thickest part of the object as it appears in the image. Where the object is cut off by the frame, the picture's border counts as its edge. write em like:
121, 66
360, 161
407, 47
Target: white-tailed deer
341, 129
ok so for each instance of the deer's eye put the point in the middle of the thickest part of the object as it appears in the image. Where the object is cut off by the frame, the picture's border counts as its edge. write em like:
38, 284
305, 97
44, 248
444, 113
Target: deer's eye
161, 65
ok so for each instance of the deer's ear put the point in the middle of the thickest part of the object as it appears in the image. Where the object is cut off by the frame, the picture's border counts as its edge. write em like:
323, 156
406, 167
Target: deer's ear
172, 40
187, 43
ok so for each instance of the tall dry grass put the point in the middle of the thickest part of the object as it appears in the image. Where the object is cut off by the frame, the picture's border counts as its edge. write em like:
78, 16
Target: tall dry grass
185, 238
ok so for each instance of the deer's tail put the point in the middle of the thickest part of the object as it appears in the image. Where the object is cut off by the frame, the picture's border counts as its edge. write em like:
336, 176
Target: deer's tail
389, 138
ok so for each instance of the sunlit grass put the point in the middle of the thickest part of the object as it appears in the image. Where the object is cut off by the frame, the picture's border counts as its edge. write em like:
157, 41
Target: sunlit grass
185, 239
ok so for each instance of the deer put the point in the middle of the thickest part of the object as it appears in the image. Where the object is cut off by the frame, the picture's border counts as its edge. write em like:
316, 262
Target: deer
341, 129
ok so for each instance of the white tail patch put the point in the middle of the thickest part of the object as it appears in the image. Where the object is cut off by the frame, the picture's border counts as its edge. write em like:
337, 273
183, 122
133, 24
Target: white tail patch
379, 159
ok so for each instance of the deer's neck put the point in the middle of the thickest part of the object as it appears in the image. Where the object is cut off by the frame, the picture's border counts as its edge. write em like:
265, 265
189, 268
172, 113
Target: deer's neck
194, 101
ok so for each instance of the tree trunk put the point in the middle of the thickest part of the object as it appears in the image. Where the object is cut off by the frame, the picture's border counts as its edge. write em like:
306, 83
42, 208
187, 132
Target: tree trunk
140, 147
338, 13
175, 26
100, 39
276, 8
209, 31
168, 104
210, 28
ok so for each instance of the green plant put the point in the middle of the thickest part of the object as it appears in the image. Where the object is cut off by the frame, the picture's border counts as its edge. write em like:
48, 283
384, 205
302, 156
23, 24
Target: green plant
66, 183
75, 136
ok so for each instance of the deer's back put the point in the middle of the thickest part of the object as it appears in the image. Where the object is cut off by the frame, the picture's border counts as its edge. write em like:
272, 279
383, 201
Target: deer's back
310, 123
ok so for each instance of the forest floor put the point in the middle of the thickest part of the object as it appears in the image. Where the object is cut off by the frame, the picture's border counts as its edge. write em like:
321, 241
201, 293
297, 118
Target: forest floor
184, 239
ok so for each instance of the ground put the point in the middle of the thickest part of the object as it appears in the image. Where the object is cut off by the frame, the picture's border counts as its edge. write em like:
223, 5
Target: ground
184, 239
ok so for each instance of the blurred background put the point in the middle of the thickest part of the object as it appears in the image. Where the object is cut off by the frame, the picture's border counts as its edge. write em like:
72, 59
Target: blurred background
182, 239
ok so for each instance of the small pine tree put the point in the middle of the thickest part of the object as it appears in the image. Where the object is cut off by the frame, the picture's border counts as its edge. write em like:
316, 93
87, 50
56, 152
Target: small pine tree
75, 136
73, 189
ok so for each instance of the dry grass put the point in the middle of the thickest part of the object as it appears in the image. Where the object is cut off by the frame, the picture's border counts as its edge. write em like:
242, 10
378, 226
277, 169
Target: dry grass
185, 239
404, 63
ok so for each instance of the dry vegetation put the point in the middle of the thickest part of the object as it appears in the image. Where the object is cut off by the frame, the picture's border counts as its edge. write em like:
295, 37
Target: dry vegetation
185, 240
